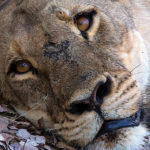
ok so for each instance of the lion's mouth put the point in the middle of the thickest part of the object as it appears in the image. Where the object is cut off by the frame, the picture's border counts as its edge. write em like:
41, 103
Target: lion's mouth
111, 125
94, 102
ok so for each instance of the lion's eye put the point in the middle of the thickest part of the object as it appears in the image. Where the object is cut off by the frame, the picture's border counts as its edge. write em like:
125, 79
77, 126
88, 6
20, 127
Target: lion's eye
83, 23
23, 66
20, 67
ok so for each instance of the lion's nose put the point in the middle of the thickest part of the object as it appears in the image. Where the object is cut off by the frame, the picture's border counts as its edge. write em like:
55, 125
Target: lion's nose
94, 102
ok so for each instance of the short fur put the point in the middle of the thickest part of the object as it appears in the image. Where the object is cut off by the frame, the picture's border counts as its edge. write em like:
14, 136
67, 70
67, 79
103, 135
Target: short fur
69, 65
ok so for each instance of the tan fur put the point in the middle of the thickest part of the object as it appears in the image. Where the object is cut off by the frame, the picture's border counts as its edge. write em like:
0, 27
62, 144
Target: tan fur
69, 67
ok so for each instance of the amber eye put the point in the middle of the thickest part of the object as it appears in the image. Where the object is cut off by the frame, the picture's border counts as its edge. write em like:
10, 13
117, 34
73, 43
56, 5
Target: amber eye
23, 66
83, 23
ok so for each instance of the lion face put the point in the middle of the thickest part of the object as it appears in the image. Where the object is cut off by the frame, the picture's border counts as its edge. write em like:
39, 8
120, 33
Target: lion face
72, 63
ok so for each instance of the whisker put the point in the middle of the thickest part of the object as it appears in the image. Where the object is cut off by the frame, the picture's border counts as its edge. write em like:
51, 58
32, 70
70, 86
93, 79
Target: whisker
121, 64
32, 108
44, 99
35, 106
51, 130
141, 72
135, 68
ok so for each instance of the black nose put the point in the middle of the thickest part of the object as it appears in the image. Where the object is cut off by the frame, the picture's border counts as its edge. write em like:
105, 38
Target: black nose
101, 90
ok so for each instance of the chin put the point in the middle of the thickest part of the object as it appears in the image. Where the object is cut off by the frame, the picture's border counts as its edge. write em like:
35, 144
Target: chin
131, 138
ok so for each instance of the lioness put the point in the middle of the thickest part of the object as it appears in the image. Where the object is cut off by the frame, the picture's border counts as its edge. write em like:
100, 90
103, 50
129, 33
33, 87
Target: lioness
80, 65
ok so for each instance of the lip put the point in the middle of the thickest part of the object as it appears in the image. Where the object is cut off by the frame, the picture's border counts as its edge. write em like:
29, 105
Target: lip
111, 125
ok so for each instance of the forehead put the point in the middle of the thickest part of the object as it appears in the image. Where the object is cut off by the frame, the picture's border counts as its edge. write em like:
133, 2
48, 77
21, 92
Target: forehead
84, 2
119, 9
73, 7
101, 4
105, 5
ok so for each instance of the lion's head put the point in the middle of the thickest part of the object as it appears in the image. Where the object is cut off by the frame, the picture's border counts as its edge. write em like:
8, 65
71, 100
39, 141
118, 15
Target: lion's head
75, 64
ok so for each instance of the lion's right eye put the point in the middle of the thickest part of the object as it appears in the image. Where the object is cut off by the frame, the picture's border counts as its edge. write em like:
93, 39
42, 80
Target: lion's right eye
83, 23
20, 67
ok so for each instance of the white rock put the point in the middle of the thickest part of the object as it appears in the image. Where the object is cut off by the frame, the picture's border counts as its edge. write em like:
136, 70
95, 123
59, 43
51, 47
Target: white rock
23, 133
27, 146
1, 138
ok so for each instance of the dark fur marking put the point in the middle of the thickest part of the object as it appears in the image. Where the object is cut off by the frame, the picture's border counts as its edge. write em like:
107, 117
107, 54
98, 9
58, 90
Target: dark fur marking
18, 2
58, 51
129, 99
53, 50
122, 80
112, 136
133, 84
68, 119
3, 4
71, 128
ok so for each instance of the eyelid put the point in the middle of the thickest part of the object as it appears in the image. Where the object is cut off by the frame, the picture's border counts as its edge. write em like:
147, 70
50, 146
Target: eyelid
89, 14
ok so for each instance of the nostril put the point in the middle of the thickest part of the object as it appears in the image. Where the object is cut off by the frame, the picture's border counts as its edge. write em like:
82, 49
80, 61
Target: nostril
102, 90
80, 107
